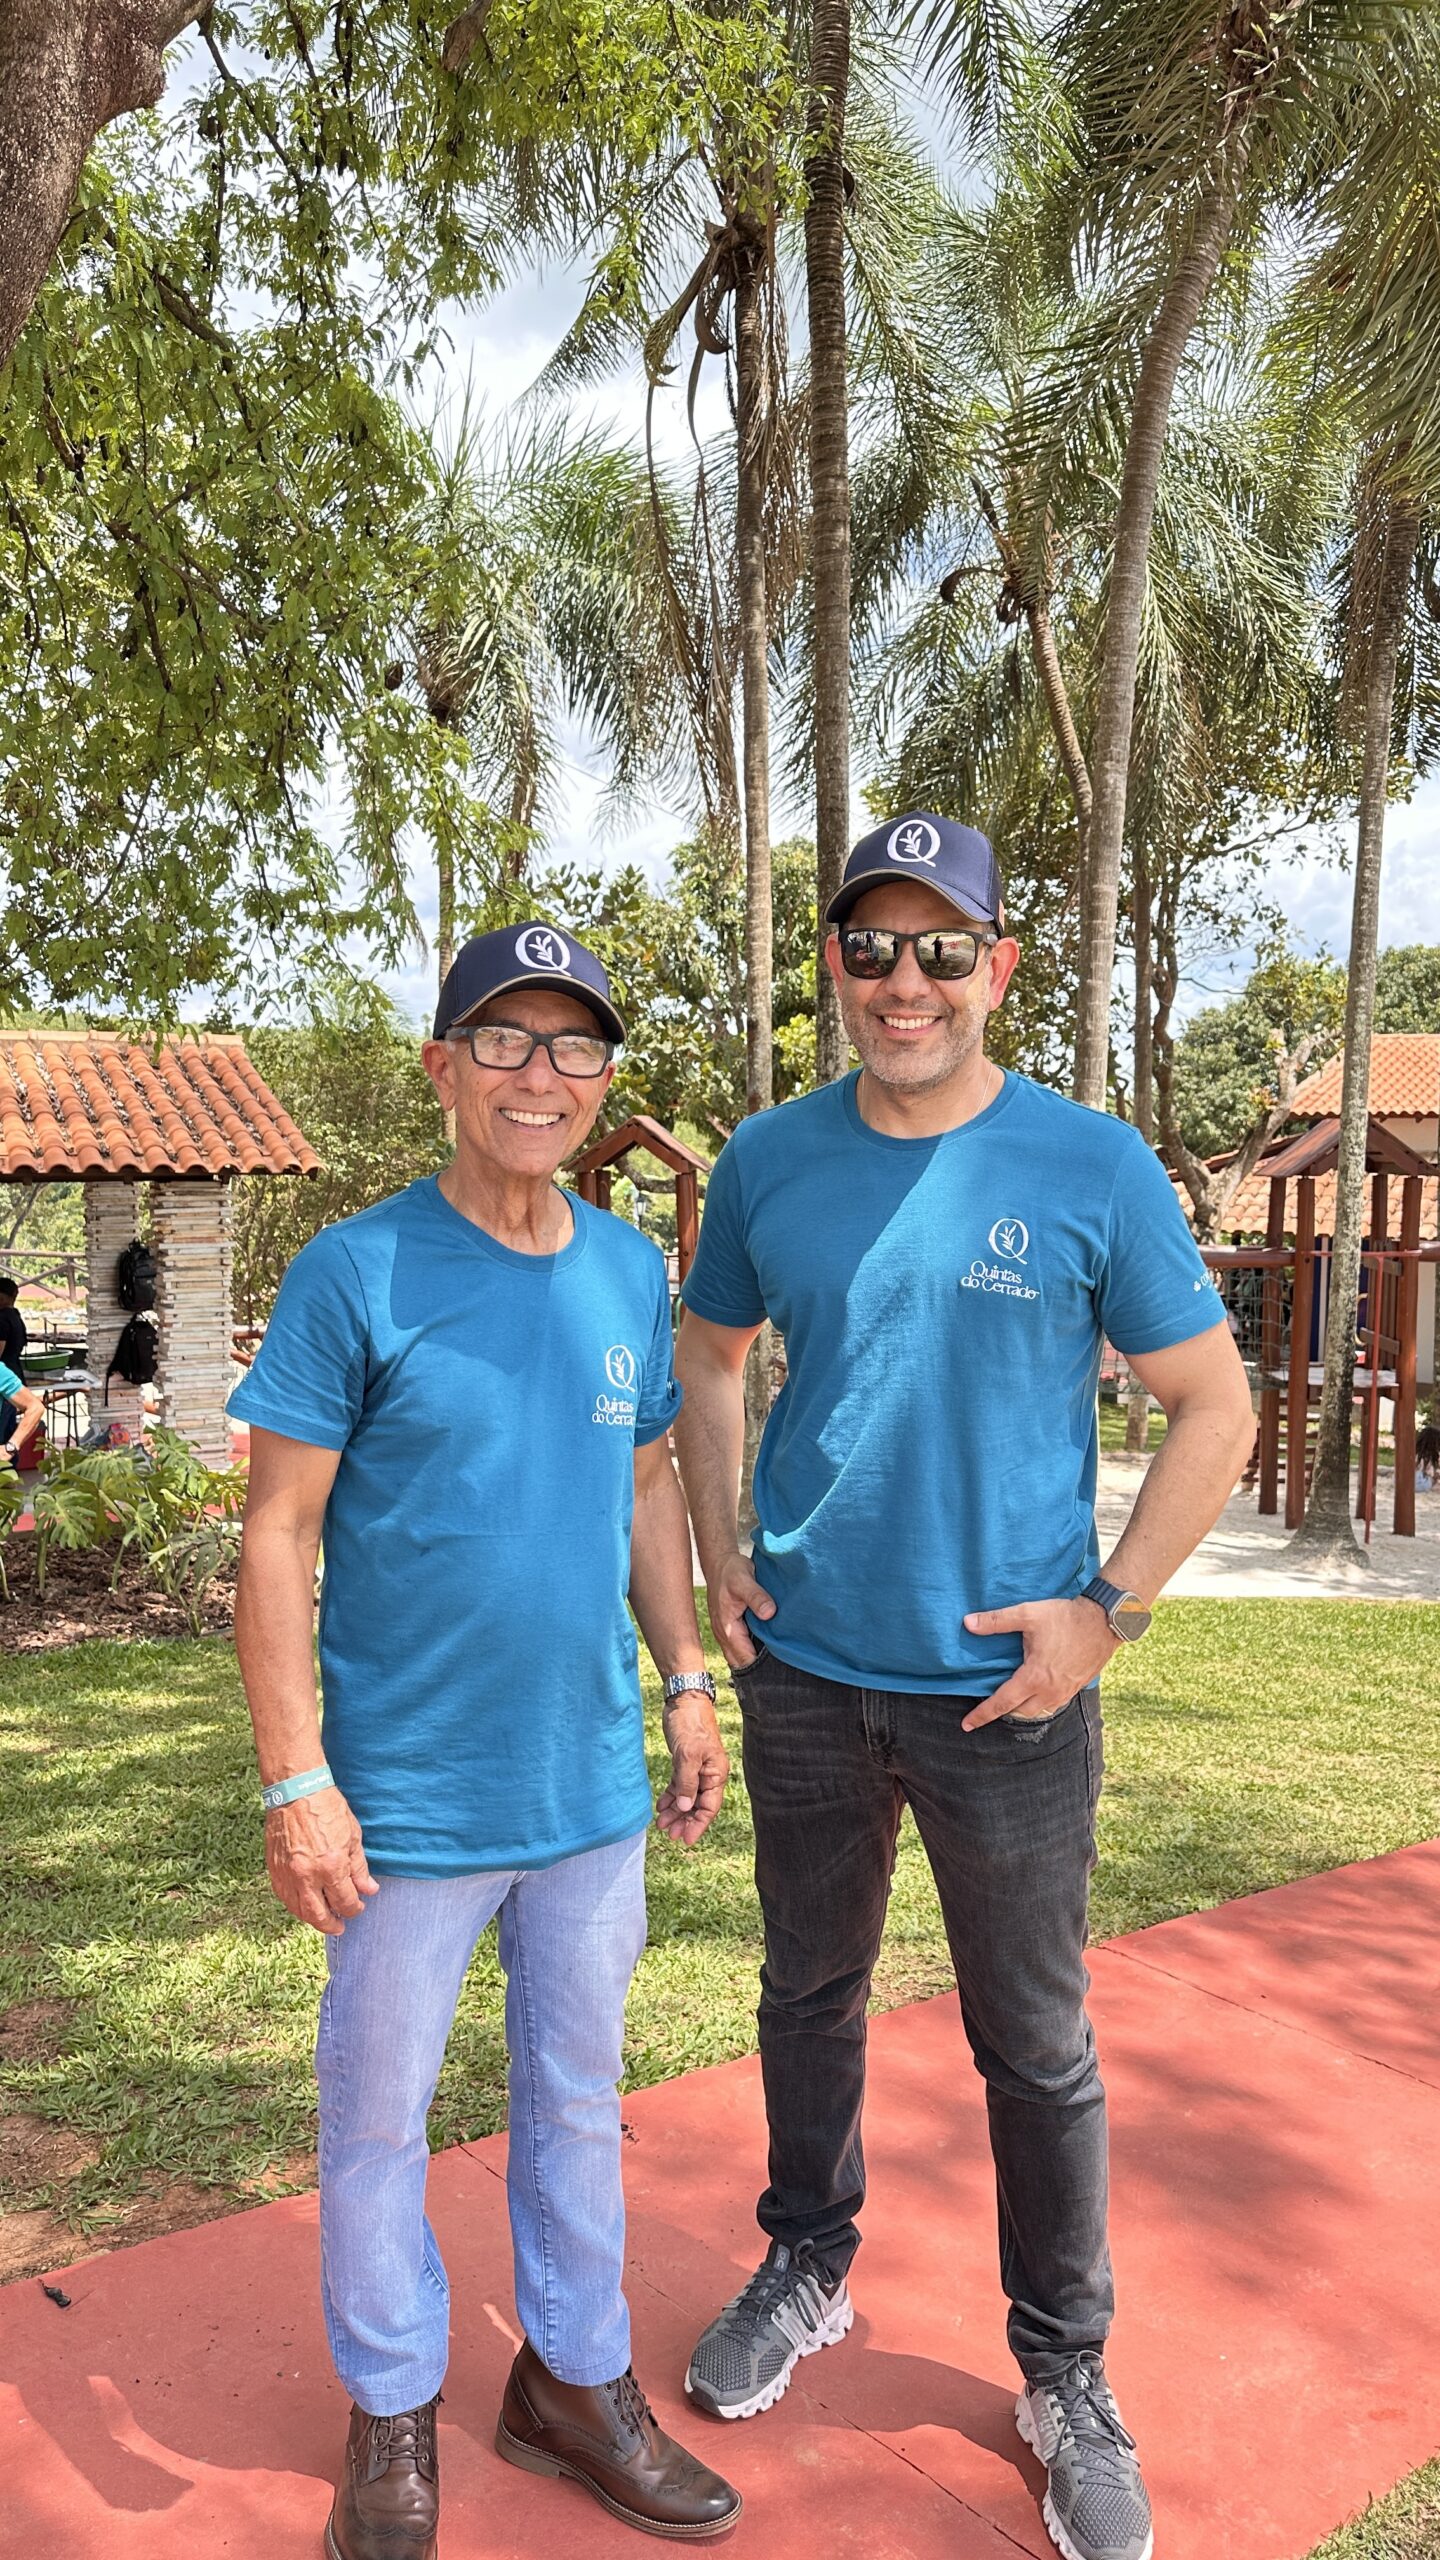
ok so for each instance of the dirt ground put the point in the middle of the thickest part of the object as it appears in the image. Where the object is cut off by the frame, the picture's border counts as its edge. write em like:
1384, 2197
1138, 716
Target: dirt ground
78, 1601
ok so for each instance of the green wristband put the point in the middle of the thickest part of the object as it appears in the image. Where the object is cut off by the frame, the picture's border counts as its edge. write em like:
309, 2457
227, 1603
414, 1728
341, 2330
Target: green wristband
290, 1790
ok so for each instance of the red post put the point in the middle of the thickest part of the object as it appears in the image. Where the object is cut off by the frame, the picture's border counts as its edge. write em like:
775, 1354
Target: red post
1270, 1357
687, 1218
1302, 1307
1406, 1327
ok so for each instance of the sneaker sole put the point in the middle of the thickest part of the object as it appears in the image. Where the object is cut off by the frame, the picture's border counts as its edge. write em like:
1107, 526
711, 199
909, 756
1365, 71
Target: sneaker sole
1068, 2550
551, 2466
830, 2333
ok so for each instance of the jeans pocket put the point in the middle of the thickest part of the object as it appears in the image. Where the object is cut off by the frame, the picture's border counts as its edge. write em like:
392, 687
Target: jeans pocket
1041, 1724
741, 1670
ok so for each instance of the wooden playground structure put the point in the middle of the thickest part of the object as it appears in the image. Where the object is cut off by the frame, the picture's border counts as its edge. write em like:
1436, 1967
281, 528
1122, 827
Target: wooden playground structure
1294, 1265
595, 1171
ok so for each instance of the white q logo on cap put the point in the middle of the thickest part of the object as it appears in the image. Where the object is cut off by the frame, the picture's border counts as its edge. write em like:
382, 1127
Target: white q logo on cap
914, 840
539, 948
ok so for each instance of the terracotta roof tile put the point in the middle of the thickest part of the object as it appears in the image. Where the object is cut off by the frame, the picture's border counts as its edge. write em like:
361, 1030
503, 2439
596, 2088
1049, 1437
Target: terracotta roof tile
1250, 1209
1404, 1078
87, 1105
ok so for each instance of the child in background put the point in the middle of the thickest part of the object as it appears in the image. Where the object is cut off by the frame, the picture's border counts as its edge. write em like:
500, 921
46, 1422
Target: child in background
1427, 1459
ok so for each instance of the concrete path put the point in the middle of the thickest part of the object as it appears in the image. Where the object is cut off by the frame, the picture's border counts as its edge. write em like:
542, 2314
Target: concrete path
1274, 2071
1245, 1556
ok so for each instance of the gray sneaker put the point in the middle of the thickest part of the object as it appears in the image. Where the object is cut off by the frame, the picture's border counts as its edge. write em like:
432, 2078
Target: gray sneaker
746, 2357
1096, 2507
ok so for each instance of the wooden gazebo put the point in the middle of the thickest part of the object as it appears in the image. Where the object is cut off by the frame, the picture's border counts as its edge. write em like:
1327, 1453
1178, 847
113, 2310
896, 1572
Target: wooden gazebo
185, 1117
1290, 1369
594, 1171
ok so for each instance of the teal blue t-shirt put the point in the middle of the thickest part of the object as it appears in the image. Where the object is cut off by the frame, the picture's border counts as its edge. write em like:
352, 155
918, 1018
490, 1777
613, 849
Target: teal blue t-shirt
478, 1663
943, 1303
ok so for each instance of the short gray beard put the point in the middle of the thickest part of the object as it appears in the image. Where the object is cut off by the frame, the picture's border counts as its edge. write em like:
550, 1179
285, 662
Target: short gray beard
971, 1026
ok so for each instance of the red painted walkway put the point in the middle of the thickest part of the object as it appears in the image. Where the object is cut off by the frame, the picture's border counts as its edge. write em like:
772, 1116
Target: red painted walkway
1274, 2071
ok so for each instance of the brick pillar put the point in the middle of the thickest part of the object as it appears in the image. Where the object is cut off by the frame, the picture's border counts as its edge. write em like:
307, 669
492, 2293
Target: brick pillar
112, 1212
191, 1231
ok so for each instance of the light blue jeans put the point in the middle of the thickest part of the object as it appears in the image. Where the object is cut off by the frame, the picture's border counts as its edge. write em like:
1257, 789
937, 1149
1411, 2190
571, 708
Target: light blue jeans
570, 1938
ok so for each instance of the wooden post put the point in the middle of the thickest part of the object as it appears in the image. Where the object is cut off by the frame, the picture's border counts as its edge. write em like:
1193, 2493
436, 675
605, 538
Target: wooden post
1372, 1282
687, 1220
1302, 1304
1270, 1357
586, 1188
1406, 1327
601, 1178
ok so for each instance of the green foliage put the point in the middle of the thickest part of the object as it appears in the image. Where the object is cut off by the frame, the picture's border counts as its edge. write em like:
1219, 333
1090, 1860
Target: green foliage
180, 1516
72, 1510
12, 1503
1407, 987
676, 957
352, 1079
212, 528
1225, 1058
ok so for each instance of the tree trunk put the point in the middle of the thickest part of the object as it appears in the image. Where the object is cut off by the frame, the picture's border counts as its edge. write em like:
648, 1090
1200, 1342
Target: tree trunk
1062, 723
829, 497
752, 402
66, 68
1115, 706
1327, 1527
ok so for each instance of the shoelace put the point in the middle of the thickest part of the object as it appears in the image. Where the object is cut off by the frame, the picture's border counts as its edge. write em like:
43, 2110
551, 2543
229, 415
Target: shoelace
768, 2288
1089, 2415
632, 2403
410, 2437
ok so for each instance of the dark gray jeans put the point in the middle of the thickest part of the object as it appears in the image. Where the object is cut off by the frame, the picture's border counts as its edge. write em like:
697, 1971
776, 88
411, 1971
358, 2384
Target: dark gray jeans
1007, 1817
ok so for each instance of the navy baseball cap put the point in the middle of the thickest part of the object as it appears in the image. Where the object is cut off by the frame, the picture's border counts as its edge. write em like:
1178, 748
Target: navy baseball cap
946, 856
525, 955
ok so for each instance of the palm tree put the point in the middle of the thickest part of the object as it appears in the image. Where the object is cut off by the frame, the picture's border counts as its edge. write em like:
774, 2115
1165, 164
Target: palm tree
1374, 292
825, 260
536, 595
1181, 143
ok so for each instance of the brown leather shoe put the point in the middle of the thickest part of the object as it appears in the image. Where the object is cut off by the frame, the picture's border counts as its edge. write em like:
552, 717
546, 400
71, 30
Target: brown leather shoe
605, 2436
387, 2502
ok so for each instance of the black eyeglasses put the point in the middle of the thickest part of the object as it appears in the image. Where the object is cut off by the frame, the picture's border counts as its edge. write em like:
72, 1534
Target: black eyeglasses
873, 951
580, 1054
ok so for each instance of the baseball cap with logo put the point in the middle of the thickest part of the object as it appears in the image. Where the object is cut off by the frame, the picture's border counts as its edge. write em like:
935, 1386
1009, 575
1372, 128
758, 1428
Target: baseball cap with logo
919, 846
525, 955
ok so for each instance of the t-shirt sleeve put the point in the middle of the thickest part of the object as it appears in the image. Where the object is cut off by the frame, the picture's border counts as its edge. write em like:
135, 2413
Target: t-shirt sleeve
10, 1385
660, 1395
308, 1379
1154, 1288
721, 1284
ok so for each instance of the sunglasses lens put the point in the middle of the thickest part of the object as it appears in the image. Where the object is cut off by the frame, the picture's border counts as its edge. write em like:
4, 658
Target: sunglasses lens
947, 955
868, 952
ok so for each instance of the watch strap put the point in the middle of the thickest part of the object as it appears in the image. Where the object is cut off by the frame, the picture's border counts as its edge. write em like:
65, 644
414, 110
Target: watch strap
682, 1684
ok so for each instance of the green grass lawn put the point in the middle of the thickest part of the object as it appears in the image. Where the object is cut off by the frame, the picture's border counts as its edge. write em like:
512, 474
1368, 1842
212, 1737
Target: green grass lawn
1248, 1742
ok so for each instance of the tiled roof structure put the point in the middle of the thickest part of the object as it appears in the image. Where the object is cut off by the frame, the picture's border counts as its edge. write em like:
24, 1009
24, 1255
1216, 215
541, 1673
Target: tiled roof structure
1250, 1209
84, 1106
1404, 1079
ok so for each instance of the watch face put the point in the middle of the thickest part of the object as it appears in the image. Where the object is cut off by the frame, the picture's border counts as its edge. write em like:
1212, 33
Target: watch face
1130, 1618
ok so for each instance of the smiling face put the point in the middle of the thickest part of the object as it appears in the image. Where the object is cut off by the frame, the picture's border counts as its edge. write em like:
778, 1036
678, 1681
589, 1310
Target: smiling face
520, 1122
915, 1033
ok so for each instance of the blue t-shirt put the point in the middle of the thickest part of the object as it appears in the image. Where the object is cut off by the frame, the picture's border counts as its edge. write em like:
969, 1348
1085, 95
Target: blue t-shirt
943, 1303
478, 1664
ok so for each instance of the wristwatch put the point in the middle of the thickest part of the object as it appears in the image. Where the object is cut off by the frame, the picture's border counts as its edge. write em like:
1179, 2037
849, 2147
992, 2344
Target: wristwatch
1126, 1611
679, 1682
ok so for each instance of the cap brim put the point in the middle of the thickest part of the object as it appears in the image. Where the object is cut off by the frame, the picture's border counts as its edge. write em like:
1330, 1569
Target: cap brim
846, 895
604, 1012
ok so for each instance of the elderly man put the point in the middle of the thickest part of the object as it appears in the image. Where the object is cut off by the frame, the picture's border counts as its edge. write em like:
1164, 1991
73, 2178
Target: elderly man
944, 1248
466, 1392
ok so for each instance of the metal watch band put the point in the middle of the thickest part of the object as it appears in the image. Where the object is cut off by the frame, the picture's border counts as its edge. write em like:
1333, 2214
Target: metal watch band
679, 1682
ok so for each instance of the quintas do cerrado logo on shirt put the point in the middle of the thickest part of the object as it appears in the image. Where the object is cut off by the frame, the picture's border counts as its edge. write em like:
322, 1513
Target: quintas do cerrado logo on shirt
615, 1404
1007, 1275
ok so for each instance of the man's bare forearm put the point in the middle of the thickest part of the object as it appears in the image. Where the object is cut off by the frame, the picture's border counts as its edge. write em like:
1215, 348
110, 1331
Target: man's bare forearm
662, 1585
710, 1444
1187, 1485
275, 1642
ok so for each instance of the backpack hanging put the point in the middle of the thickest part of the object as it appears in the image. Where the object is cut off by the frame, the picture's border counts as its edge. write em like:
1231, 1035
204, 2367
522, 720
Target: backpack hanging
135, 1354
135, 1278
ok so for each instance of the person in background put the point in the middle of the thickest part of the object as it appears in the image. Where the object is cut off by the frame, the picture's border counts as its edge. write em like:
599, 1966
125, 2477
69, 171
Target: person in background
13, 1333
21, 1414
1427, 1459
469, 1389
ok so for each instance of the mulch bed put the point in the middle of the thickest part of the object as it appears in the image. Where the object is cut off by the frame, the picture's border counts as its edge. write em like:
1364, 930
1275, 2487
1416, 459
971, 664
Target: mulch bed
78, 1602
